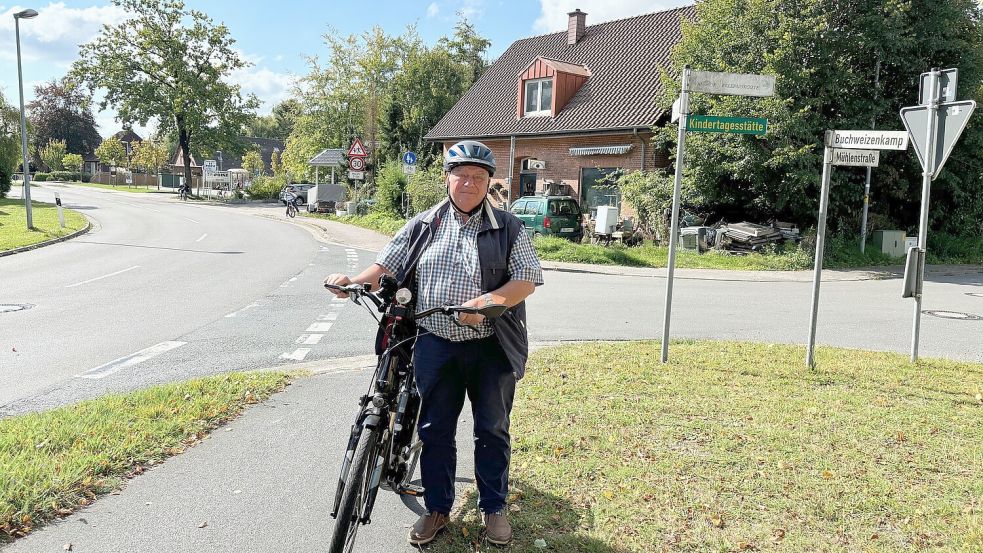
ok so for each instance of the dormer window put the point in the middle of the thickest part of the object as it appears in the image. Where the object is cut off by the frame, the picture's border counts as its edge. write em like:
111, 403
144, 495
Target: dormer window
546, 86
539, 97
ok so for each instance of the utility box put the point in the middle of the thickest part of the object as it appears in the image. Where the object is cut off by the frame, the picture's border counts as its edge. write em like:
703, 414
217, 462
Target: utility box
891, 242
323, 198
694, 238
607, 219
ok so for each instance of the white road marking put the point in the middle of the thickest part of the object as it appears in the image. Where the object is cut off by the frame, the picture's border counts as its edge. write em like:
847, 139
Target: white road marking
192, 220
310, 339
336, 299
292, 279
319, 327
101, 277
328, 317
103, 371
297, 355
235, 313
202, 237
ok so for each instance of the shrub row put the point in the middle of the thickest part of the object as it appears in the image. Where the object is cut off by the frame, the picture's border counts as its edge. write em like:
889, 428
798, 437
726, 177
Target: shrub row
64, 176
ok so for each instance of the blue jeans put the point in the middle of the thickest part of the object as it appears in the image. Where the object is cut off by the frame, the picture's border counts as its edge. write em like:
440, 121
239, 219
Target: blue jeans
445, 371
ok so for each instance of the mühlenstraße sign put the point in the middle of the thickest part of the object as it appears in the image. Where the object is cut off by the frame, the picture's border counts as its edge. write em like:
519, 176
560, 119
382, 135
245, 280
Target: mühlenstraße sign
870, 140
856, 158
734, 84
729, 125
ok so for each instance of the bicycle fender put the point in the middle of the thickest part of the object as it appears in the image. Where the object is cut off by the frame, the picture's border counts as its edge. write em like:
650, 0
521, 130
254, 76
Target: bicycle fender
371, 420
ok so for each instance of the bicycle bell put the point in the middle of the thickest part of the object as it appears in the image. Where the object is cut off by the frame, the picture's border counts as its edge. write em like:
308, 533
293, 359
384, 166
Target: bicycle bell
403, 296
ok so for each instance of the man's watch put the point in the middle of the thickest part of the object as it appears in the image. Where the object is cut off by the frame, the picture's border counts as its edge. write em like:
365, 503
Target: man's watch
487, 299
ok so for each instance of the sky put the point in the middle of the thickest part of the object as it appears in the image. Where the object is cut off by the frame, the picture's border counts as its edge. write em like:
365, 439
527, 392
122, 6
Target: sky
278, 41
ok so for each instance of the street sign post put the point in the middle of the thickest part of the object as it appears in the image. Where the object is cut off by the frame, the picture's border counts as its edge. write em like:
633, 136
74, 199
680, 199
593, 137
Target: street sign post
356, 163
735, 84
409, 169
856, 158
409, 158
727, 125
934, 127
209, 166
356, 149
866, 154
710, 83
356, 175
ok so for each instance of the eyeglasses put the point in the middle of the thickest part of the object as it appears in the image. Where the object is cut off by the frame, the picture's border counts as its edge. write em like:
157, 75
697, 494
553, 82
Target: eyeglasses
476, 178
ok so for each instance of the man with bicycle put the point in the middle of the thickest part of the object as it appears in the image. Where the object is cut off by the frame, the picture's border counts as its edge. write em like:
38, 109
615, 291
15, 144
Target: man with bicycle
464, 252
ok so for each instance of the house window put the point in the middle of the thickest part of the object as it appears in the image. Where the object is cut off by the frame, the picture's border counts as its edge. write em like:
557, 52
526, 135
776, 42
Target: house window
539, 97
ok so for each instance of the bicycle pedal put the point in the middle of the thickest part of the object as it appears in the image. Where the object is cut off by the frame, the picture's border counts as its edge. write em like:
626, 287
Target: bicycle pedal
410, 489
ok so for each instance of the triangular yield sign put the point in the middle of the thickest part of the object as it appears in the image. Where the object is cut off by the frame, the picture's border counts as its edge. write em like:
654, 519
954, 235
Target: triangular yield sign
953, 117
357, 150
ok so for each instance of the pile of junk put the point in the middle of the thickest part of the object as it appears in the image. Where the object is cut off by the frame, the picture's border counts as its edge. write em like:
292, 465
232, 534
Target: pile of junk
738, 238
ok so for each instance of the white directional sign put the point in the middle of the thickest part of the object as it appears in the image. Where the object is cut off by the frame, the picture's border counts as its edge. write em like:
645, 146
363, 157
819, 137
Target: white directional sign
735, 84
953, 118
675, 111
856, 158
356, 175
209, 166
409, 169
870, 140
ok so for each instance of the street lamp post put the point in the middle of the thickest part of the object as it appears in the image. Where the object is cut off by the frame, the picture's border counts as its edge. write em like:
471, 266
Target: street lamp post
25, 14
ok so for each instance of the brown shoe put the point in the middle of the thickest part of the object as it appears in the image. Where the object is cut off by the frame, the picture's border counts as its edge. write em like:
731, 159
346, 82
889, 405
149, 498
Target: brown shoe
497, 528
427, 527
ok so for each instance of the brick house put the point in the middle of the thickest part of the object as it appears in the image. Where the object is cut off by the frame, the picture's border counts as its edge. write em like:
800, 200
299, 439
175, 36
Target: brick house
560, 111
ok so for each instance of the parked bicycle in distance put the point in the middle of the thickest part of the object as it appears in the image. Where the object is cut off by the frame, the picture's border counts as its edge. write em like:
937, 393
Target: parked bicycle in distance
383, 447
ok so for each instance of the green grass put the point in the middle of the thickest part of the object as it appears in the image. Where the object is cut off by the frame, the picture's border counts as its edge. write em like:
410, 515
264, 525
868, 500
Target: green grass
55, 461
13, 223
119, 188
738, 447
377, 221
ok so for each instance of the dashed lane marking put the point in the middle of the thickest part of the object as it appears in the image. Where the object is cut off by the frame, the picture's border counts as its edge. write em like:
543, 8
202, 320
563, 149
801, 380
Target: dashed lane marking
103, 371
310, 339
101, 277
236, 313
319, 327
297, 355
202, 237
328, 317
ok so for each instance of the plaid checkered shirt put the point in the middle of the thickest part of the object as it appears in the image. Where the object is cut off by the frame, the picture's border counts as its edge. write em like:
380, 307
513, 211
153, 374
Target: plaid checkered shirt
449, 271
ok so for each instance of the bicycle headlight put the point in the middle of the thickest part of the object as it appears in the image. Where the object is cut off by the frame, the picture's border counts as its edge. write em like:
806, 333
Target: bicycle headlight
403, 296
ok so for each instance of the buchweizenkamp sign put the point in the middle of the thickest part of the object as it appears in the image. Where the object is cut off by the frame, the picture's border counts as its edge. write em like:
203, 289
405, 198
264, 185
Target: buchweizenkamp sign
871, 140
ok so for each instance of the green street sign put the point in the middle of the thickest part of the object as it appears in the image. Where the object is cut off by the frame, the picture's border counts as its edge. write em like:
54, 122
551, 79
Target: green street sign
729, 125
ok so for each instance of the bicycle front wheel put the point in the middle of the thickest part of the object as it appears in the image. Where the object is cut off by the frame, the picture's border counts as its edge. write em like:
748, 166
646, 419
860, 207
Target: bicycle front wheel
354, 494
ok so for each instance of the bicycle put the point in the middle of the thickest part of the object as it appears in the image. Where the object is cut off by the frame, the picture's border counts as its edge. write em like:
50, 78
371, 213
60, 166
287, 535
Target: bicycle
383, 448
184, 194
291, 210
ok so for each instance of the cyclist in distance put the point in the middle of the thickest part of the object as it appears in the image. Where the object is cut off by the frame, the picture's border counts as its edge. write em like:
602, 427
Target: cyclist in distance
464, 252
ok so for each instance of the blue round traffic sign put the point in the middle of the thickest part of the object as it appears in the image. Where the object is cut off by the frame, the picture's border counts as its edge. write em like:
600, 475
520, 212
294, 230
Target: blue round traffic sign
409, 158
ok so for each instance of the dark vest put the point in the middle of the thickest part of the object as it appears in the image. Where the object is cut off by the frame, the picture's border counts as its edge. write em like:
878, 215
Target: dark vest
499, 230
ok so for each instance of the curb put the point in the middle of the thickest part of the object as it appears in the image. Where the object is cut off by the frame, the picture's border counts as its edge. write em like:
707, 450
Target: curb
88, 226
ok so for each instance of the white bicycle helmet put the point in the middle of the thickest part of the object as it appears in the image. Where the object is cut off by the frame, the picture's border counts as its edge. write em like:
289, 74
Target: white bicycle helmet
470, 152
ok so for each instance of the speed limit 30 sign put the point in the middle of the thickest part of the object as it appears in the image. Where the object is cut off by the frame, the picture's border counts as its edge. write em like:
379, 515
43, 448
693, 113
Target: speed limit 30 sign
356, 163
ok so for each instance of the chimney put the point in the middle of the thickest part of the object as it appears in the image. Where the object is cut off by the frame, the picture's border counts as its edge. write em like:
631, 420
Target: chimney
575, 26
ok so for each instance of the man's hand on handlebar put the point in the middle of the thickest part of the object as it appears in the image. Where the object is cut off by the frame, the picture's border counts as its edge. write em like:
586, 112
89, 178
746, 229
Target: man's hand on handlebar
472, 319
337, 279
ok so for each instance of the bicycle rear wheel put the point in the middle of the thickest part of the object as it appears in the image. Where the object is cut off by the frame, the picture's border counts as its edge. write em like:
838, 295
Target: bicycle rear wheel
353, 497
291, 211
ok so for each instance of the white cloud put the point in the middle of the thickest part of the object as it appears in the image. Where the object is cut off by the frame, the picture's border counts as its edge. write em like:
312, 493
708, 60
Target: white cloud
433, 9
269, 86
553, 13
472, 9
56, 33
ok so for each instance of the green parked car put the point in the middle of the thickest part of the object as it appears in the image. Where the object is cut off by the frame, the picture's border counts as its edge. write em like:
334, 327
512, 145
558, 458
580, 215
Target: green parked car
550, 215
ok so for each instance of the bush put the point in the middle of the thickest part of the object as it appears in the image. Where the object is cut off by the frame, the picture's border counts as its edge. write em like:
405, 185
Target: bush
389, 188
41, 177
426, 188
86, 177
64, 176
266, 188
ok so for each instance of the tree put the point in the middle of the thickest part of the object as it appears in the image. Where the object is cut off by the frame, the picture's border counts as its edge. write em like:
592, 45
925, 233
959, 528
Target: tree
150, 155
10, 146
62, 111
168, 63
111, 152
52, 153
275, 164
278, 124
253, 163
391, 185
825, 58
73, 162
468, 47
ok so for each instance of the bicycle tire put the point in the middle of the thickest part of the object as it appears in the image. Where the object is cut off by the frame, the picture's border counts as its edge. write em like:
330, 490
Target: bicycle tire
346, 523
291, 211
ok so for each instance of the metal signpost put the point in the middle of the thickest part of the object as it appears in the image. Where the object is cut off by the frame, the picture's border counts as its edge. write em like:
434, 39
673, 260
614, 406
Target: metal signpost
356, 165
935, 126
709, 83
61, 214
864, 153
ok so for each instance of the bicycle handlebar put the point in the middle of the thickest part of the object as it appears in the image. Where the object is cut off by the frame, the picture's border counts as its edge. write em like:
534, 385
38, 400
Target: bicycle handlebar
357, 291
